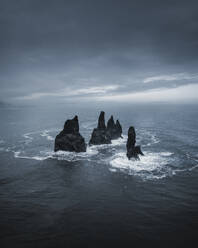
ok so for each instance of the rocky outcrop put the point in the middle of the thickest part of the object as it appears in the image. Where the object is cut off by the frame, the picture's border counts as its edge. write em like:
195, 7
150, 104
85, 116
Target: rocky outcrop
103, 134
100, 135
114, 129
69, 139
132, 150
101, 121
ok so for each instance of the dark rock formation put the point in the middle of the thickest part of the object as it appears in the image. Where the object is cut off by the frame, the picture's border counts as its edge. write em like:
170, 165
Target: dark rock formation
132, 150
69, 139
100, 135
114, 129
101, 121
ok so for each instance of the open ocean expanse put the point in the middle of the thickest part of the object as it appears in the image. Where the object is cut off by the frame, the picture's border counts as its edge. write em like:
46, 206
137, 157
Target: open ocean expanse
98, 198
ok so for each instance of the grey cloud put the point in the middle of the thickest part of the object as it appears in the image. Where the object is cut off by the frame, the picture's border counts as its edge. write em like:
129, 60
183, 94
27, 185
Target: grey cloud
50, 45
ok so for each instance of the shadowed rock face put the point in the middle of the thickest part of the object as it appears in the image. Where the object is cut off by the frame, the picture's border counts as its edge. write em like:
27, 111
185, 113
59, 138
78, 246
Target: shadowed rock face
103, 134
71, 126
110, 123
101, 121
114, 129
119, 127
69, 139
100, 135
132, 150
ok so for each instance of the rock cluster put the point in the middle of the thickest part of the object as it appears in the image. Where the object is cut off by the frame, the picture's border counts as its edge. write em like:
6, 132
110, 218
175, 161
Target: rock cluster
114, 129
100, 135
69, 139
132, 150
103, 134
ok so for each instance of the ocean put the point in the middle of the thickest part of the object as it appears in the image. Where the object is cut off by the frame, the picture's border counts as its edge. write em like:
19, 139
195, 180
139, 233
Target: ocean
99, 198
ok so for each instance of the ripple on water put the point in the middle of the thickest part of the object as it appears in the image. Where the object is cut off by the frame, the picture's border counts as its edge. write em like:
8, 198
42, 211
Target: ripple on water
59, 155
150, 166
154, 165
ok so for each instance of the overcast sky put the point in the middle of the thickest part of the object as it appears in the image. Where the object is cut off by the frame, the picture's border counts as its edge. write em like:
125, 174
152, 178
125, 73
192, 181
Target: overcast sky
106, 50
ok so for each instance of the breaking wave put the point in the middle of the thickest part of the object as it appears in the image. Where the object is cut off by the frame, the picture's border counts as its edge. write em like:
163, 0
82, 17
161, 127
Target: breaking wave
151, 166
155, 164
60, 155
45, 133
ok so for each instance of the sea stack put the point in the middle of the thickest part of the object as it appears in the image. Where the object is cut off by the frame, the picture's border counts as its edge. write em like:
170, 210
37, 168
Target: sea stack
114, 129
100, 135
132, 150
69, 139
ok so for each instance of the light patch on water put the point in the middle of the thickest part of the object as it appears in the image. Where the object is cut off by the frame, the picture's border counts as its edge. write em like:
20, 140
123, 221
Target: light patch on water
59, 155
18, 154
2, 148
146, 138
166, 154
153, 140
28, 137
150, 166
119, 141
185, 169
73, 156
45, 133
154, 165
149, 162
89, 125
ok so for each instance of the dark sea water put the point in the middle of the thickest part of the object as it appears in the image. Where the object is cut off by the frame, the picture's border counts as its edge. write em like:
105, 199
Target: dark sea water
99, 198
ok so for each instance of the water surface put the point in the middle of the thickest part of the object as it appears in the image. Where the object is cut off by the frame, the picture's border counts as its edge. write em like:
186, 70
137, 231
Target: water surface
98, 198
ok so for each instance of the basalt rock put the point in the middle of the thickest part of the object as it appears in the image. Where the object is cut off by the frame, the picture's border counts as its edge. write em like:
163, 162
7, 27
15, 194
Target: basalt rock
100, 135
114, 129
101, 121
132, 150
69, 139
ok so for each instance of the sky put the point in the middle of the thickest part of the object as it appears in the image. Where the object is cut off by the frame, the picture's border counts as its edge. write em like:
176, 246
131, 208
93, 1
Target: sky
101, 50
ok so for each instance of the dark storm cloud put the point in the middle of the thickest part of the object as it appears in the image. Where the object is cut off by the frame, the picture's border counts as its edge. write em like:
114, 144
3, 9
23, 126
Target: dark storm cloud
47, 46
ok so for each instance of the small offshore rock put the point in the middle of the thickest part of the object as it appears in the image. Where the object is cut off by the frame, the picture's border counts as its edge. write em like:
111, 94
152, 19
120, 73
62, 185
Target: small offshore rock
132, 150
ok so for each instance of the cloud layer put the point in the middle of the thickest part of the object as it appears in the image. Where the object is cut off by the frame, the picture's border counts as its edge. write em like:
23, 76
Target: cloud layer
72, 48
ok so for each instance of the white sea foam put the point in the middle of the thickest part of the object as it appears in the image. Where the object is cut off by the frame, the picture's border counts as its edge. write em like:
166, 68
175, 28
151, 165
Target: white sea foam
45, 133
59, 155
40, 158
185, 169
28, 137
119, 141
147, 138
153, 140
166, 154
73, 156
149, 162
150, 166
